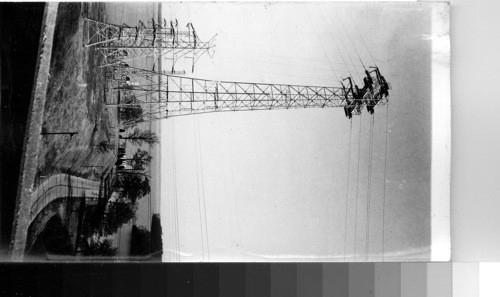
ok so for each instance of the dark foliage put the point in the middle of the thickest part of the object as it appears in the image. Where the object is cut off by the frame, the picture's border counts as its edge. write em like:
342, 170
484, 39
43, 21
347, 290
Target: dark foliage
118, 214
55, 237
131, 113
98, 248
146, 242
141, 241
105, 146
156, 232
138, 137
139, 160
135, 186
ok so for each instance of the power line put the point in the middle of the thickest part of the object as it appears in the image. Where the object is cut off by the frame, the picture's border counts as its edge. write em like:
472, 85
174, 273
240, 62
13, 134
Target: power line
287, 63
353, 45
340, 52
357, 188
385, 181
324, 51
295, 58
369, 185
176, 209
348, 55
367, 48
347, 191
198, 188
203, 187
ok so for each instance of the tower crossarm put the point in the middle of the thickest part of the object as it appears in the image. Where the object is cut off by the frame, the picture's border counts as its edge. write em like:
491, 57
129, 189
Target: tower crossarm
123, 43
104, 35
114, 55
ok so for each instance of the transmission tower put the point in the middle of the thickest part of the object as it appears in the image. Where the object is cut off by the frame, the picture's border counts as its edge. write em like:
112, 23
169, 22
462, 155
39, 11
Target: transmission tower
123, 43
167, 95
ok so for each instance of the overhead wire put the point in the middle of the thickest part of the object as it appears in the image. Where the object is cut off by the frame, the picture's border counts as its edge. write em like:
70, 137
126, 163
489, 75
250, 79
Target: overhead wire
350, 140
318, 61
370, 157
347, 190
203, 188
348, 55
198, 189
385, 181
176, 207
324, 51
340, 52
172, 181
366, 45
301, 66
370, 170
348, 178
369, 185
357, 188
234, 202
226, 199
231, 206
353, 45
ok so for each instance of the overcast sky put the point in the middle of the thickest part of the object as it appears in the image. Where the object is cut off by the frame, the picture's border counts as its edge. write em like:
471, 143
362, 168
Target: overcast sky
272, 185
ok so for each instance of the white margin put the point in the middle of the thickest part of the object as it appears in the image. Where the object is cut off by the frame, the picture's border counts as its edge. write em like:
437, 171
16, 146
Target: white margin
441, 134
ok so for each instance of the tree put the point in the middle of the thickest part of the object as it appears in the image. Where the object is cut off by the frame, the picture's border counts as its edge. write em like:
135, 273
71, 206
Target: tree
56, 238
156, 241
118, 214
146, 242
128, 97
135, 186
139, 160
131, 113
105, 146
138, 137
93, 247
140, 242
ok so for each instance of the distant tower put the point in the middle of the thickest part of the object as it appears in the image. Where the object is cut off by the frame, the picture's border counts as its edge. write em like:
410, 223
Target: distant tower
122, 43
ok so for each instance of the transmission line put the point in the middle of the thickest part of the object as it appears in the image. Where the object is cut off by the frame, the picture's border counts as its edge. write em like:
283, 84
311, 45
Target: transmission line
324, 51
348, 55
349, 36
176, 208
340, 52
385, 181
347, 190
357, 188
203, 187
369, 183
366, 45
198, 189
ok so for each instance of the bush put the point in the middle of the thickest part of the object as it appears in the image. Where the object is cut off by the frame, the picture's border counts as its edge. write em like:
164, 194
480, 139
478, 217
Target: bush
132, 113
156, 232
141, 243
105, 146
56, 238
135, 186
118, 214
93, 247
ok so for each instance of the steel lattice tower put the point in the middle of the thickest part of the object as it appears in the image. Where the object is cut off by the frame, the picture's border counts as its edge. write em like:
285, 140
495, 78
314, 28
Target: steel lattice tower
167, 95
122, 43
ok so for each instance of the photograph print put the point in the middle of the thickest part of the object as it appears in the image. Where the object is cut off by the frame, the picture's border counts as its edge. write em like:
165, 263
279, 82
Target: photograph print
225, 132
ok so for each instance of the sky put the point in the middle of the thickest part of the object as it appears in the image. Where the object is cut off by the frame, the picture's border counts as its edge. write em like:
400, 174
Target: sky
283, 185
